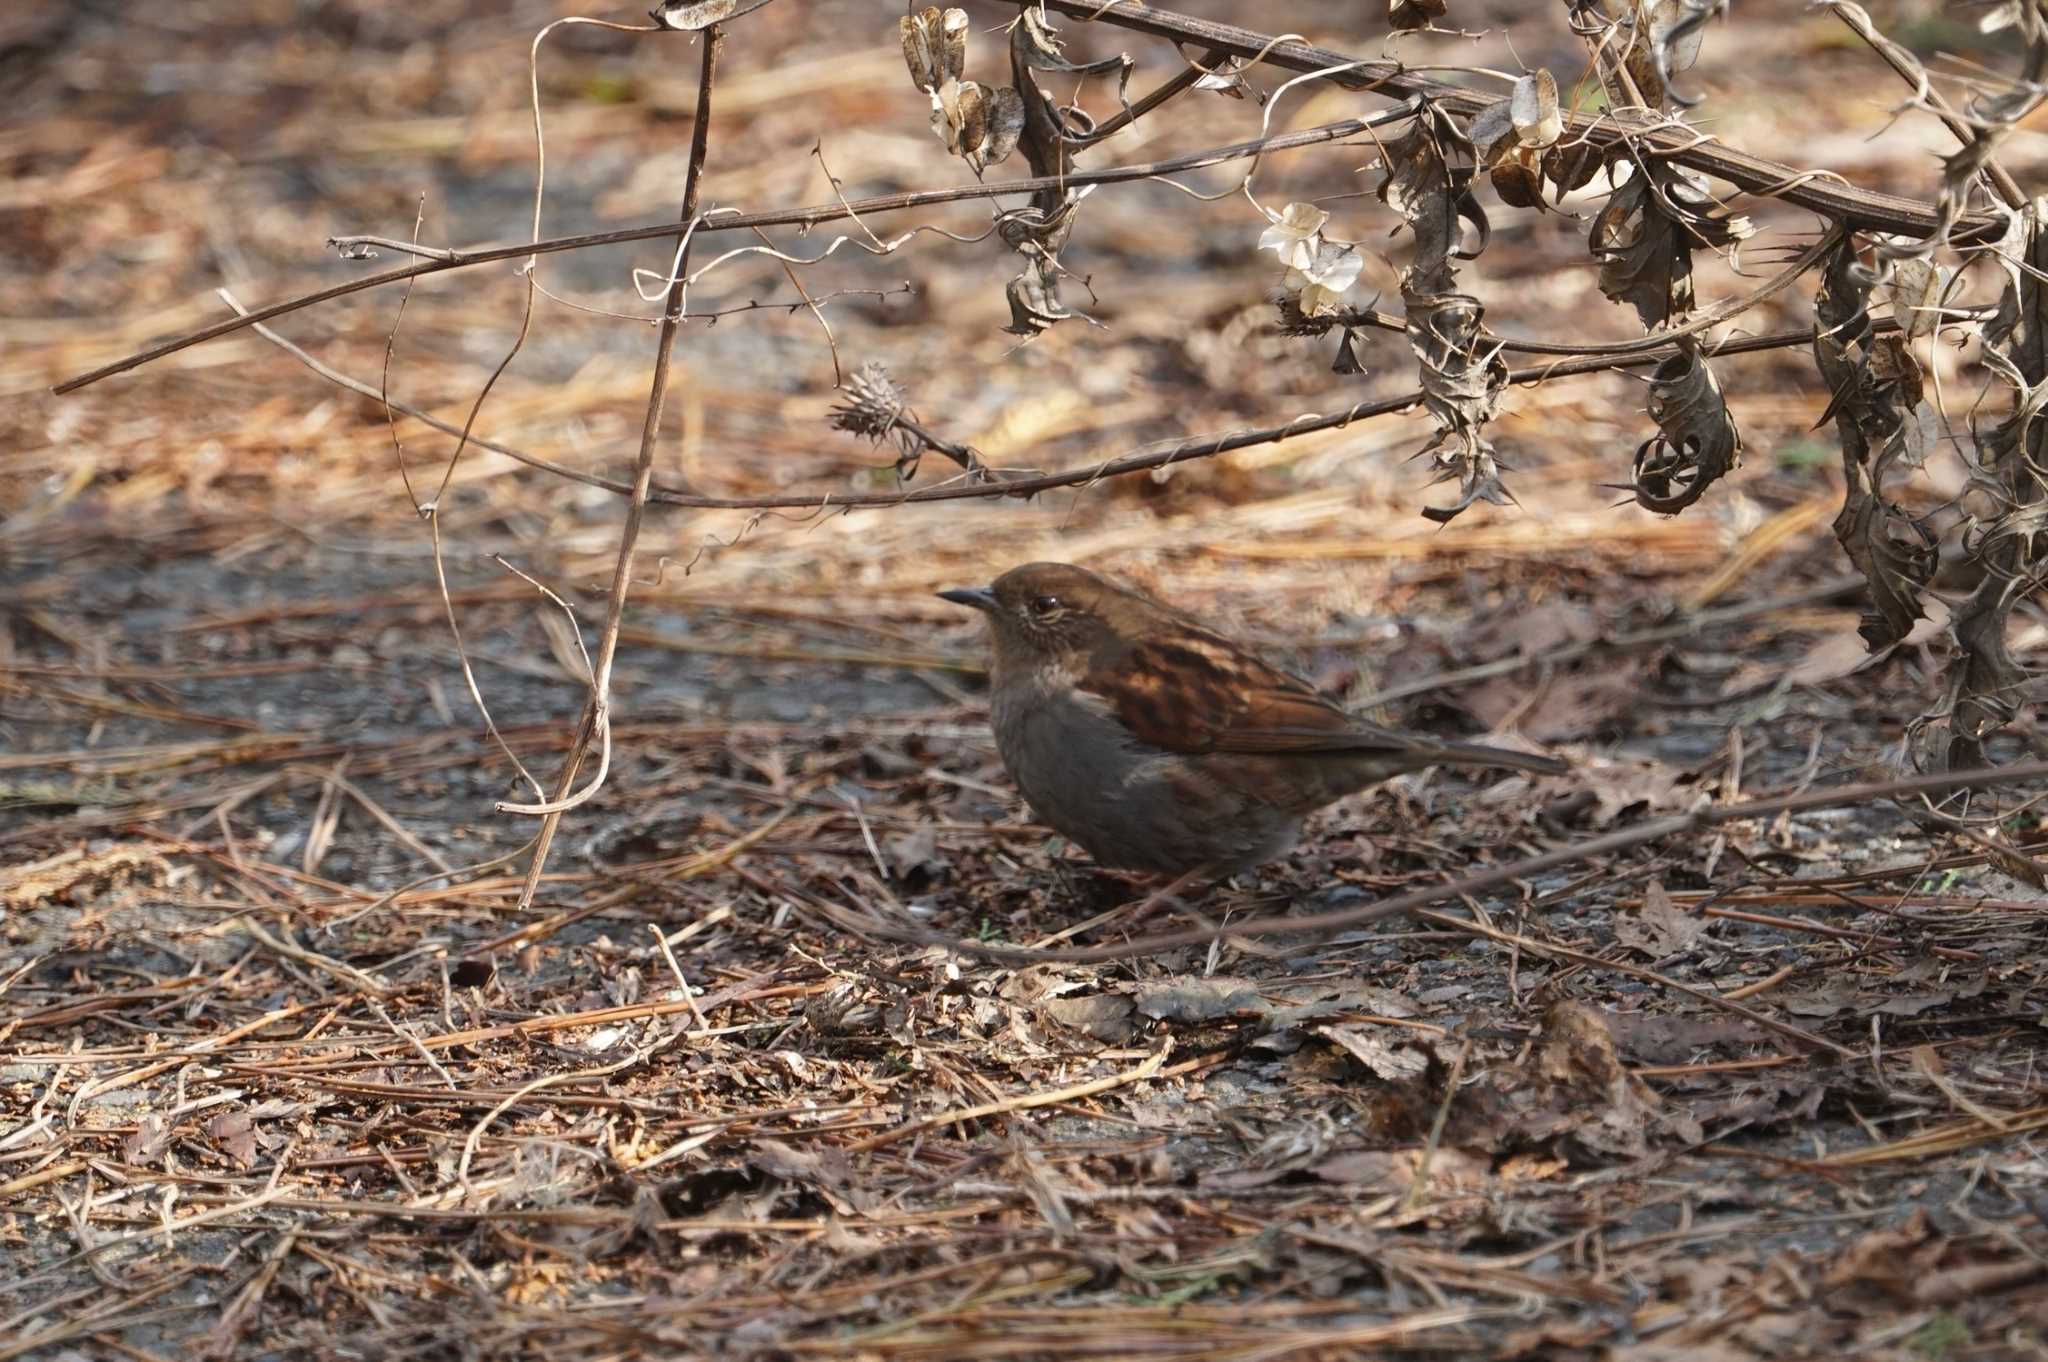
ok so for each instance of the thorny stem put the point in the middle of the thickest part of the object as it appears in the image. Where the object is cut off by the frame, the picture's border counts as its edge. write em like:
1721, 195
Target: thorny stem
1819, 191
1857, 20
1854, 207
596, 714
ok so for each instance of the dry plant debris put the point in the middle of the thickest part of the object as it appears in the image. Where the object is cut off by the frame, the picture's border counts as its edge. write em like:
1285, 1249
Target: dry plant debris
304, 1053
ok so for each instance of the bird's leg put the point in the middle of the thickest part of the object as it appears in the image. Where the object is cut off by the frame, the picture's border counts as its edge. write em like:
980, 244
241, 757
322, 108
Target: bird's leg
1169, 892
1136, 912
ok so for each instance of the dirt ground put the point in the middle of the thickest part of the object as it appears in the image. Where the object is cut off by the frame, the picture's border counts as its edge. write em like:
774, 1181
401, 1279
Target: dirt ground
287, 1071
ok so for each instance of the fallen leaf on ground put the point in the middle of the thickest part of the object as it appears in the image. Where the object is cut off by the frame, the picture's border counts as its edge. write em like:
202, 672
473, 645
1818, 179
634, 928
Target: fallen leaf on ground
1660, 927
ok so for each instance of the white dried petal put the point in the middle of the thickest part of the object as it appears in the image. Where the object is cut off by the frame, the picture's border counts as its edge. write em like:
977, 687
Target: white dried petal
950, 113
1293, 235
1320, 288
1226, 78
1317, 301
1533, 106
1336, 267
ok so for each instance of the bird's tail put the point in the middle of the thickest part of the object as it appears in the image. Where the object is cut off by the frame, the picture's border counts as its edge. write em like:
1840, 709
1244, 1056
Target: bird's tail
1478, 754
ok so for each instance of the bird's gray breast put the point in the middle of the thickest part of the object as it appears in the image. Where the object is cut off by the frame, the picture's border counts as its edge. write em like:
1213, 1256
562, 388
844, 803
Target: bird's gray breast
1128, 804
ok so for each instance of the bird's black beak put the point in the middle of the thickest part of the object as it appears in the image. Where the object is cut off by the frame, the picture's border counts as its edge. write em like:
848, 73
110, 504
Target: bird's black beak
977, 597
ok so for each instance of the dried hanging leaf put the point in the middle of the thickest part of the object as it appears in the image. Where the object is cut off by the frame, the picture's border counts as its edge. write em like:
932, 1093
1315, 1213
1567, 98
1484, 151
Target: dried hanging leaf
1042, 50
1875, 388
1005, 126
1035, 304
960, 116
1021, 116
688, 16
1640, 43
1986, 684
1572, 165
934, 46
1428, 181
1517, 176
1407, 15
1677, 30
1462, 379
1031, 232
1696, 441
1516, 171
1489, 125
1916, 287
1533, 108
1645, 234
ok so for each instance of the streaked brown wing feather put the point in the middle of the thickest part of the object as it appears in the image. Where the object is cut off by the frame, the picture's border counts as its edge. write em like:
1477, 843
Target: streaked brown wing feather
1193, 691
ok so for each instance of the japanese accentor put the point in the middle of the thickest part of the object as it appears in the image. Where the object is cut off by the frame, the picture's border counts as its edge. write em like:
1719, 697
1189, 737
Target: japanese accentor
1158, 744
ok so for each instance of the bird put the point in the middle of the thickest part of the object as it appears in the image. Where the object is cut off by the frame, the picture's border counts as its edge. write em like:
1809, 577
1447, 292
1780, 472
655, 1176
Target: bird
1157, 744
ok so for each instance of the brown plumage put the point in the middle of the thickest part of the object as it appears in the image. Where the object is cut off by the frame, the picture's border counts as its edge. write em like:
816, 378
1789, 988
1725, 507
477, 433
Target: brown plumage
1156, 743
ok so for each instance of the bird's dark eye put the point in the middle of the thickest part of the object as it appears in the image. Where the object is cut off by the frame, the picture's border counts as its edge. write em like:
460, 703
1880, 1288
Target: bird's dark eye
1044, 605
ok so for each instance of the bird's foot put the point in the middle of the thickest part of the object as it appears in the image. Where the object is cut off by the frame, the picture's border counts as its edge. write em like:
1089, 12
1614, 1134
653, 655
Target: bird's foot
1131, 914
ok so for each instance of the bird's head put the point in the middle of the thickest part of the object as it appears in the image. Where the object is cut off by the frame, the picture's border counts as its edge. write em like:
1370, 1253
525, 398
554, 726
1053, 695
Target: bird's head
1051, 614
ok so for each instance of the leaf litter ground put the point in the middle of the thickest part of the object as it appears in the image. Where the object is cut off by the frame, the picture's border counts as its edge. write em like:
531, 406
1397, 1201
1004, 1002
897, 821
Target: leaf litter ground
270, 1089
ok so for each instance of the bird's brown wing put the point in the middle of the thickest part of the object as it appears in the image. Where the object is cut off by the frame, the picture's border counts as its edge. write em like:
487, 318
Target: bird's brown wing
1192, 691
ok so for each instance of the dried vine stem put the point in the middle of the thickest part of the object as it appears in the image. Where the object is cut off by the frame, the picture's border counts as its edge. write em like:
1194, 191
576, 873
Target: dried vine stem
596, 720
436, 260
1180, 451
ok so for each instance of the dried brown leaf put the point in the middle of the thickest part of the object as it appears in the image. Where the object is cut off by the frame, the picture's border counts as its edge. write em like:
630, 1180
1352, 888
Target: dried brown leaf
688, 16
1696, 443
1105, 1016
1462, 379
1614, 1111
1428, 182
1875, 388
1574, 702
1660, 927
1646, 232
1384, 1052
934, 45
144, 1147
1406, 15
1657, 1038
1200, 1000
1533, 108
234, 1134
